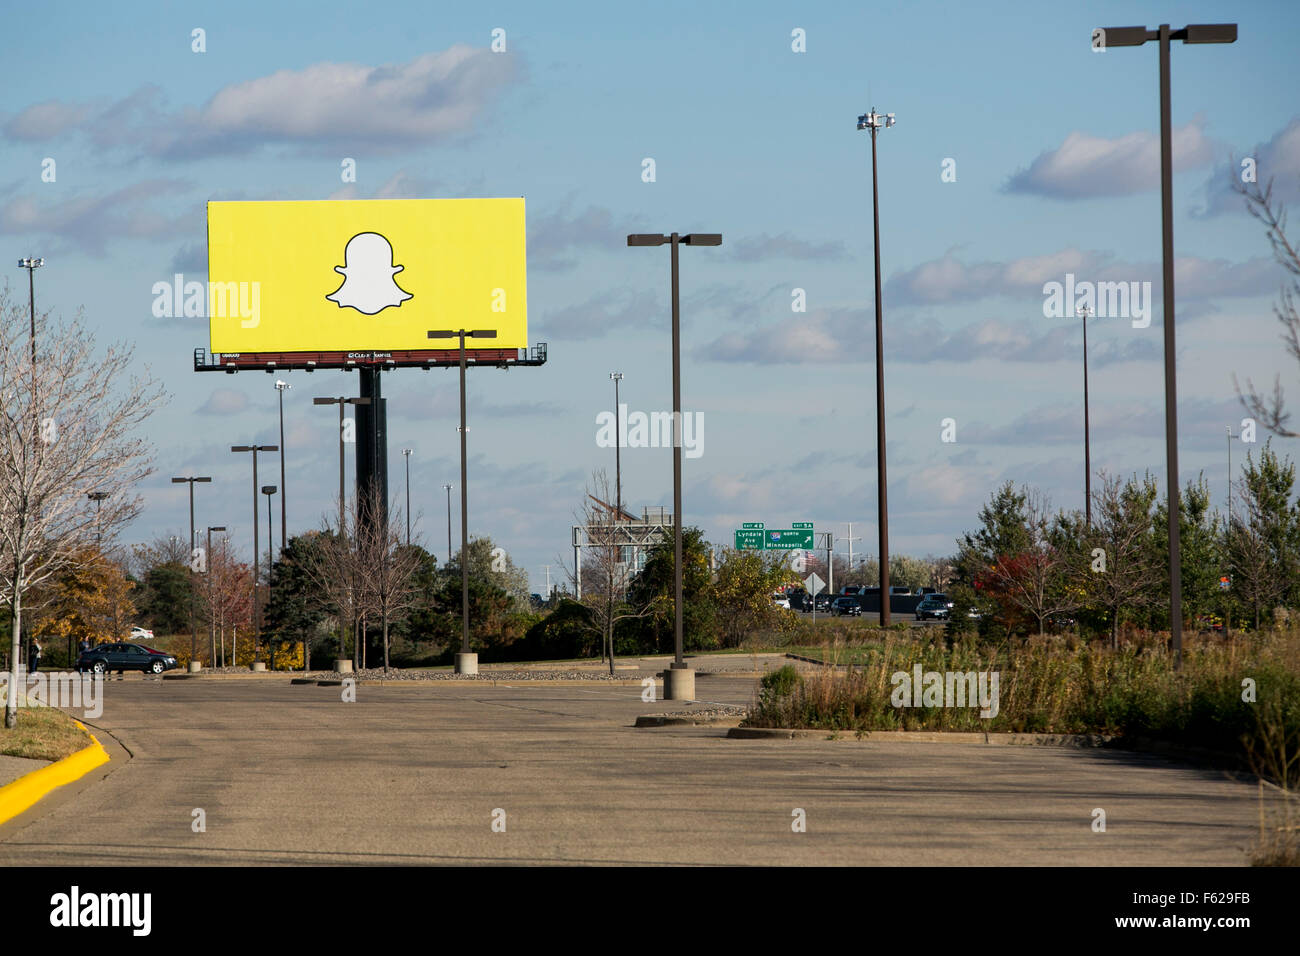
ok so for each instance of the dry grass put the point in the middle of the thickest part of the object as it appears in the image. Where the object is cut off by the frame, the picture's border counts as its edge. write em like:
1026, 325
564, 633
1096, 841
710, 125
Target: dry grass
43, 733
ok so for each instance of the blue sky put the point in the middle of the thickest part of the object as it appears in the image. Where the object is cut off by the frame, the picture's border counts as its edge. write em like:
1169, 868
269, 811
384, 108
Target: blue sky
1054, 148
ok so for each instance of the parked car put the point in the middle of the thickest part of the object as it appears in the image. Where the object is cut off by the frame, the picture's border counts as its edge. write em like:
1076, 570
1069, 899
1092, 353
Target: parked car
847, 605
123, 657
139, 633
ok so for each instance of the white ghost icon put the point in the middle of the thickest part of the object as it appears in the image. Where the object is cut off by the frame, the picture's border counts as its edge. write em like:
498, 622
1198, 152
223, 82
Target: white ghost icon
368, 270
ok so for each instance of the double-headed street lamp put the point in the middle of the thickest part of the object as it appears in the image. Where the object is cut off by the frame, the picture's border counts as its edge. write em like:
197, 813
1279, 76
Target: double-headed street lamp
340, 402
194, 639
466, 663
280, 387
257, 534
207, 570
679, 680
874, 121
1135, 36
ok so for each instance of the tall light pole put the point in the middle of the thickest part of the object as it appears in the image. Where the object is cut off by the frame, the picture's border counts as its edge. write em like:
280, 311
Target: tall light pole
269, 490
194, 638
284, 520
1136, 36
406, 453
618, 470
257, 537
679, 680
447, 488
874, 121
31, 265
98, 497
207, 570
340, 402
1087, 450
466, 663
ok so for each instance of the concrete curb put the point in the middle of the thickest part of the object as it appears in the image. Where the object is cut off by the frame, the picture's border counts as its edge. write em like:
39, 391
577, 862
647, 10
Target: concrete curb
927, 736
25, 792
479, 682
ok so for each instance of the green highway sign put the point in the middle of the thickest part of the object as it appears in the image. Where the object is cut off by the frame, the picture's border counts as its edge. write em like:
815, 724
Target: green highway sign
754, 536
791, 540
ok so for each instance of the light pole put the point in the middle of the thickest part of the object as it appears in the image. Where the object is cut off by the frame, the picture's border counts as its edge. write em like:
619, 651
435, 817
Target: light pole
406, 453
679, 680
284, 520
447, 488
257, 537
207, 570
618, 470
31, 265
1087, 451
873, 121
98, 497
466, 663
1136, 36
340, 402
269, 490
194, 638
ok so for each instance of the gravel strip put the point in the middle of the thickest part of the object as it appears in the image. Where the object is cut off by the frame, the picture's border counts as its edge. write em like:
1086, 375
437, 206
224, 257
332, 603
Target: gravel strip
378, 673
725, 711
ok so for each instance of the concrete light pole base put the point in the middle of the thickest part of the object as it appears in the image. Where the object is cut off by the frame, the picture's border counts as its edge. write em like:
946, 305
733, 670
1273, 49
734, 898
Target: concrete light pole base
679, 683
466, 663
196, 666
343, 667
259, 666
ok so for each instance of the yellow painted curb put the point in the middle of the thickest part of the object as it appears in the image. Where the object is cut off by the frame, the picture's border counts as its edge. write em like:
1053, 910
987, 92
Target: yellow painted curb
28, 790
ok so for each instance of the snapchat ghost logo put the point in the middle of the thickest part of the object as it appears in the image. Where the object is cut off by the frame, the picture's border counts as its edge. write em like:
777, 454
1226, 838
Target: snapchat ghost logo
368, 270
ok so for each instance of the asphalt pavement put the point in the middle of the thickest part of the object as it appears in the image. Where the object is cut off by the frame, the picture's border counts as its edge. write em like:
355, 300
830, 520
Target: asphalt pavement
420, 773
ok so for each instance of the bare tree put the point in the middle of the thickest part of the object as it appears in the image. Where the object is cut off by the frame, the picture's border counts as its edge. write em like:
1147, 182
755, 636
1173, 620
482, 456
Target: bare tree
68, 429
605, 575
385, 567
1271, 409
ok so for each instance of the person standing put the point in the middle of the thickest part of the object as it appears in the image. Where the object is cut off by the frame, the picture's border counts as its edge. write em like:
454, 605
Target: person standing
34, 656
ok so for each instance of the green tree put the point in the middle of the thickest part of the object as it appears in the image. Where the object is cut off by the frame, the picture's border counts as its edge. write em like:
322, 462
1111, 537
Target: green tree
165, 597
1118, 567
743, 594
653, 587
1003, 532
1264, 538
295, 610
1201, 557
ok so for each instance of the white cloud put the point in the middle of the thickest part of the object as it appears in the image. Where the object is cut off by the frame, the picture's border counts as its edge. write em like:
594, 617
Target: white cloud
1085, 166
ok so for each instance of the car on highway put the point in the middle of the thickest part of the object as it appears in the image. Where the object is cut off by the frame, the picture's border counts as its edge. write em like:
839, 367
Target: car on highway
935, 607
122, 657
780, 600
139, 633
847, 605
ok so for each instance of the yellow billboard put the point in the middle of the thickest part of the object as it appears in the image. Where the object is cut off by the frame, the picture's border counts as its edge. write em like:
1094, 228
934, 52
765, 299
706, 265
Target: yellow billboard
365, 275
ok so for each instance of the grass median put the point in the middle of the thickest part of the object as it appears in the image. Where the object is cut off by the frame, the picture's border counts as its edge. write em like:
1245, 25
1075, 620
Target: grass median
43, 733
